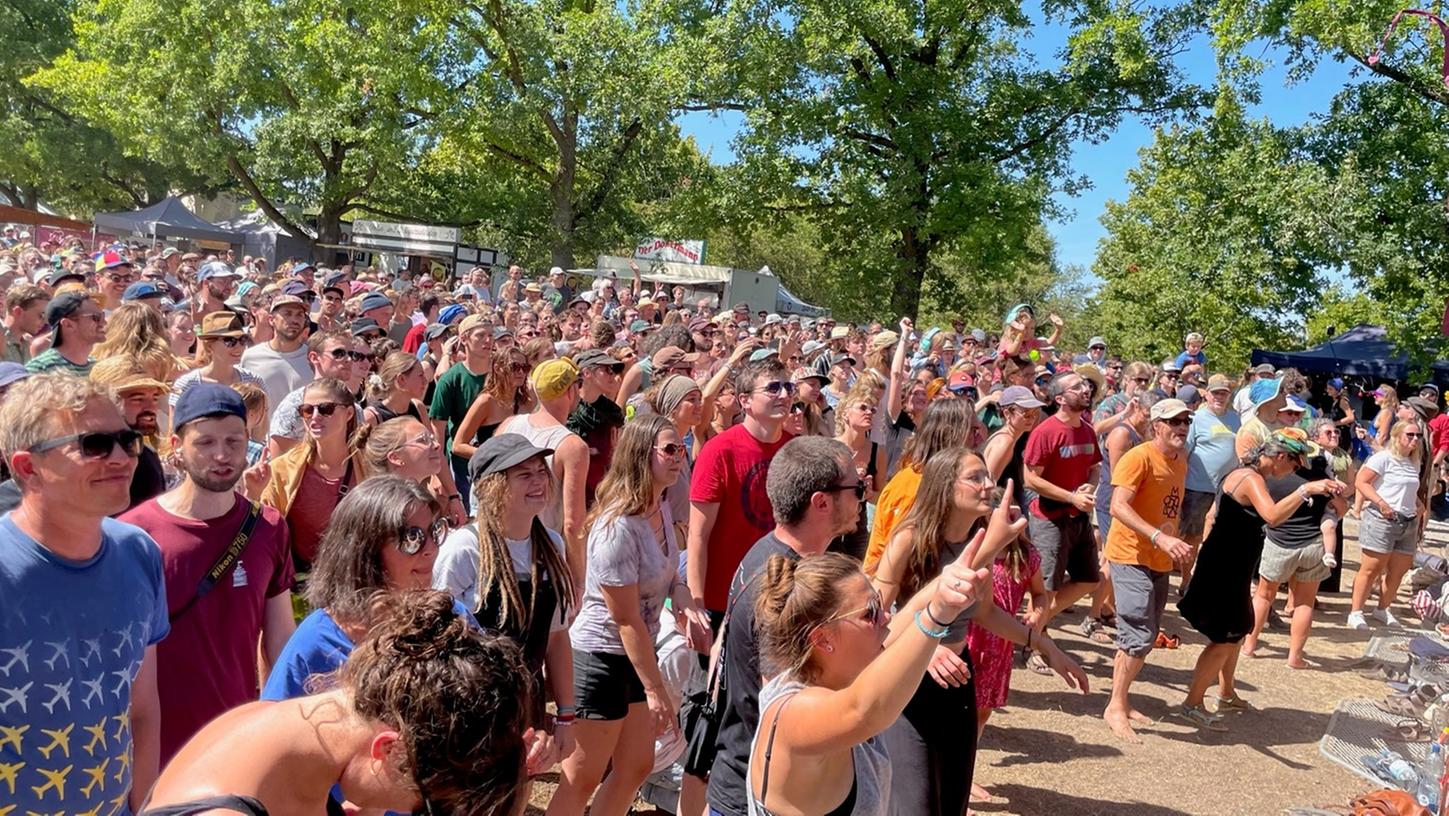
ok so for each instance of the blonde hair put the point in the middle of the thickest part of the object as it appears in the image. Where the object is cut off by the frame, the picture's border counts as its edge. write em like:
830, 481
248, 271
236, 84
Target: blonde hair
795, 598
862, 393
376, 442
1397, 435
136, 330
38, 407
394, 365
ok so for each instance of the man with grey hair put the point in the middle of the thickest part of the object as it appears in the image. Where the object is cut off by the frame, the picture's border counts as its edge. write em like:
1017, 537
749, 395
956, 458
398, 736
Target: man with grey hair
815, 493
85, 603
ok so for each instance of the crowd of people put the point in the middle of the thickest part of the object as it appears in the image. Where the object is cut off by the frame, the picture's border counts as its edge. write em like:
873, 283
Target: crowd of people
336, 539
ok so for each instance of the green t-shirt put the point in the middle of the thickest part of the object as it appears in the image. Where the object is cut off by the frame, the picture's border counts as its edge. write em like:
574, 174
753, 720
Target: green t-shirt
452, 397
51, 359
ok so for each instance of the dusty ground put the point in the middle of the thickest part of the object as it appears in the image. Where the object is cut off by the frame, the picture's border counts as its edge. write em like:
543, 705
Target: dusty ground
1049, 752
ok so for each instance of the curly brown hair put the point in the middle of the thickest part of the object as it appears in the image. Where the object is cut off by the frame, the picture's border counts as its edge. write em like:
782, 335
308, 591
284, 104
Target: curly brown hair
452, 693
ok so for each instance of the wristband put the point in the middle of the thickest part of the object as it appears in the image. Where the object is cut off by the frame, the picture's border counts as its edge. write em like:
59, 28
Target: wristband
567, 711
1153, 539
934, 619
458, 496
934, 634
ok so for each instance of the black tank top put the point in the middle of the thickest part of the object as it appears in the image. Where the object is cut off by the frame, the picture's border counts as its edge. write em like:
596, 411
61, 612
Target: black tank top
385, 413
241, 804
1301, 529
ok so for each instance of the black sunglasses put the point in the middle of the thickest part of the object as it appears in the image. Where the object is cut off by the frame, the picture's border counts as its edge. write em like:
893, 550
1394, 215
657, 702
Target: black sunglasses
777, 388
230, 342
97, 444
323, 408
410, 540
343, 354
858, 487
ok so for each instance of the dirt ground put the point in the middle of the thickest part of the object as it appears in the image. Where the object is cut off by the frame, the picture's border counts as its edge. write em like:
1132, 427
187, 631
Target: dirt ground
1048, 751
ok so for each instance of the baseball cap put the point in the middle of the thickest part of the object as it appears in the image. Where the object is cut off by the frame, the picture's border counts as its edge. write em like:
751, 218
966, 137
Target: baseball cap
1219, 382
804, 373
839, 332
141, 290
1168, 408
221, 324
842, 357
590, 358
1337, 382
452, 313
501, 452
111, 259
1294, 405
884, 339
554, 271
1189, 394
1019, 396
305, 266
59, 276
1425, 387
169, 251
1096, 341
374, 300
552, 378
435, 330
960, 381
773, 319
293, 288
287, 300
699, 324
363, 325
811, 346
500, 332
1263, 368
1171, 365
979, 336
11, 373
471, 322
671, 356
640, 326
215, 269
204, 400
763, 354
63, 306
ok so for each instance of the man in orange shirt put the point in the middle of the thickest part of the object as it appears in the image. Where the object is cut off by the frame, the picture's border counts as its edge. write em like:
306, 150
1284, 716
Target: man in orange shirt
1142, 547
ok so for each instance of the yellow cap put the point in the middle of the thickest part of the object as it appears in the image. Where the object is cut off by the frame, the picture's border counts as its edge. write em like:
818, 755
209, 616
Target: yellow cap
553, 377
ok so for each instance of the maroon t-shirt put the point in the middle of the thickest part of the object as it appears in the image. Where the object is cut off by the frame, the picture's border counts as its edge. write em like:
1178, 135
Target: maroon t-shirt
208, 664
731, 471
1066, 456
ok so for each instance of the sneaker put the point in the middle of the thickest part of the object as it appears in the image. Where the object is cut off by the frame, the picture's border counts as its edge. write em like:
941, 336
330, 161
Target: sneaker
1386, 617
1329, 561
1356, 620
1276, 622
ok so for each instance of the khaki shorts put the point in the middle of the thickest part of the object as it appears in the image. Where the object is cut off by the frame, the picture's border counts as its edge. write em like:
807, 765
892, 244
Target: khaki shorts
1283, 564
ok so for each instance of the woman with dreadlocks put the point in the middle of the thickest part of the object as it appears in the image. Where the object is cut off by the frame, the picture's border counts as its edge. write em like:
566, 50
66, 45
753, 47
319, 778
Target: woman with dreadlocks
510, 570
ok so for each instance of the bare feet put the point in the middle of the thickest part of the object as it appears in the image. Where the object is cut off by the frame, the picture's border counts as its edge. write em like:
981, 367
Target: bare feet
1138, 716
980, 794
1298, 663
1249, 651
1121, 725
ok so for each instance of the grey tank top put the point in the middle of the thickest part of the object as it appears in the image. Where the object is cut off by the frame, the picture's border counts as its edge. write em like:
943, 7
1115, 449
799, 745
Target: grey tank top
547, 437
872, 763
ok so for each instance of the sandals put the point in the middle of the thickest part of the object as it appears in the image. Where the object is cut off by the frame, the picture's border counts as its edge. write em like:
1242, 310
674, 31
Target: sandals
1038, 664
1199, 716
1166, 641
1399, 706
1234, 703
1407, 730
1093, 630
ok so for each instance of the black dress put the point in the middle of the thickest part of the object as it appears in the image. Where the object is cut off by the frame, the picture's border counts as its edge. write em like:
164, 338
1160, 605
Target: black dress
1219, 600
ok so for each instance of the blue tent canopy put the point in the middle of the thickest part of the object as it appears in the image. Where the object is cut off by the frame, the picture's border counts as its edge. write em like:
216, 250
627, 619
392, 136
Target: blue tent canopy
1363, 351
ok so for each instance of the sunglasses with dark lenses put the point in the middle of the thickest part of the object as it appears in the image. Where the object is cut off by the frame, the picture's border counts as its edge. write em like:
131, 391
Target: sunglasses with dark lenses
230, 342
411, 540
97, 444
323, 408
1179, 421
778, 387
873, 612
345, 354
858, 487
670, 449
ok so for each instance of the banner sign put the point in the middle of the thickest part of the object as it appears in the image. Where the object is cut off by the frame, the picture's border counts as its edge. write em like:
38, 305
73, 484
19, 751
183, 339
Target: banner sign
661, 249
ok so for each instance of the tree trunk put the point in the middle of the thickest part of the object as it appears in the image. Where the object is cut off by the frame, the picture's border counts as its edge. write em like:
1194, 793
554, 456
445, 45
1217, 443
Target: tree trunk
913, 261
329, 229
561, 195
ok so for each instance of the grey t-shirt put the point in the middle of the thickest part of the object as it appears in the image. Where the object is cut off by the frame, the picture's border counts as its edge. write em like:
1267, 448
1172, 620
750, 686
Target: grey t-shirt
623, 551
280, 373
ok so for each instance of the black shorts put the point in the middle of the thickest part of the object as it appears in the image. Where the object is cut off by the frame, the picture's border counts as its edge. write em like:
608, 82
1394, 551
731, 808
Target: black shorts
605, 685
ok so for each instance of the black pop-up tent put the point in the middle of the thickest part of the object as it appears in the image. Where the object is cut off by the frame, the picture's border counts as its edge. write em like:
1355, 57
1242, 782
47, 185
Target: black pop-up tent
1363, 351
168, 218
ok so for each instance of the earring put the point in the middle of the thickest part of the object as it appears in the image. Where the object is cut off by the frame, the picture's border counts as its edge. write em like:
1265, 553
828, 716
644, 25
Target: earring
829, 648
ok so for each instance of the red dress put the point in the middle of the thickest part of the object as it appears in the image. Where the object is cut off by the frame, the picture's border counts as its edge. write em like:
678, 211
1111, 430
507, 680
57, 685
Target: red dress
990, 653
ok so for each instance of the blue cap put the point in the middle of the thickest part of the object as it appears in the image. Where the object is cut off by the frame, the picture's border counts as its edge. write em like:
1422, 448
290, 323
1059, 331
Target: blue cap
374, 300
11, 373
303, 267
204, 400
215, 269
141, 289
294, 287
1336, 382
452, 314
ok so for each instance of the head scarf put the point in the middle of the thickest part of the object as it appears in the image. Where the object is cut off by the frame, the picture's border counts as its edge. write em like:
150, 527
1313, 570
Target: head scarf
673, 391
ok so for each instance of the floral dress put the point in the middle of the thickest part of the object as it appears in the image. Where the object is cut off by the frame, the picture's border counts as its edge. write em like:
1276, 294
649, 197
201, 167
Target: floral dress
990, 653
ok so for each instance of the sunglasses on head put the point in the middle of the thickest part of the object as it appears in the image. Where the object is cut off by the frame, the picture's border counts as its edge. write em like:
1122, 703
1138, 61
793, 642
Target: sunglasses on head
97, 444
411, 540
324, 408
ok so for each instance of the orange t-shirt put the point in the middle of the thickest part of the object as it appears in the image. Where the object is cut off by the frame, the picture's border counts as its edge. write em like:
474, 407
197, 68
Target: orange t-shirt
890, 507
1158, 484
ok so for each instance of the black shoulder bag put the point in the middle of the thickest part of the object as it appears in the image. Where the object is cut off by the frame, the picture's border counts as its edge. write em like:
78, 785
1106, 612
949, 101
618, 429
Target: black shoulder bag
227, 560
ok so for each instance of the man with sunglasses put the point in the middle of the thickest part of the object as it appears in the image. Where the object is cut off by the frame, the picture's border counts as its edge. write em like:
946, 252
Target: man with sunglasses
209, 662
77, 324
597, 418
1211, 456
282, 362
729, 507
215, 282
329, 354
114, 273
814, 494
1142, 548
85, 603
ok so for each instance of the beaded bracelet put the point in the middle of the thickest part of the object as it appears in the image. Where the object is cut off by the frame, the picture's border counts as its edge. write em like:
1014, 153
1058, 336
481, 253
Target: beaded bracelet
935, 634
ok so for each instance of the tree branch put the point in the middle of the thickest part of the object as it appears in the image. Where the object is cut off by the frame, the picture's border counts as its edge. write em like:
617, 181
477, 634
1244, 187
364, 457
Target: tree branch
1435, 93
611, 171
880, 56
521, 160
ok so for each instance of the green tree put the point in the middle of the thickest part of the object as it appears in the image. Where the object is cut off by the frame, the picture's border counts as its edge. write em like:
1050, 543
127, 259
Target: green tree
1228, 230
52, 154
305, 104
905, 129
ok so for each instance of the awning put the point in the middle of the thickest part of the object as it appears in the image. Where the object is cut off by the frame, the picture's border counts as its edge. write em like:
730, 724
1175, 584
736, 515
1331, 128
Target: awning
169, 218
405, 239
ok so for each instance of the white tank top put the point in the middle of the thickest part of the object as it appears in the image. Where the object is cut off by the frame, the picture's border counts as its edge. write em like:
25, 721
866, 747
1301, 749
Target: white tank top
547, 437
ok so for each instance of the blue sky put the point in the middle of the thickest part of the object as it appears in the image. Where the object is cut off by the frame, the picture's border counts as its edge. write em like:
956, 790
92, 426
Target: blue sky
1107, 162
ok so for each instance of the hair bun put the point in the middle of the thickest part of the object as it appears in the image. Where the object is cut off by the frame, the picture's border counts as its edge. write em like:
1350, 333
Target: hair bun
418, 625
